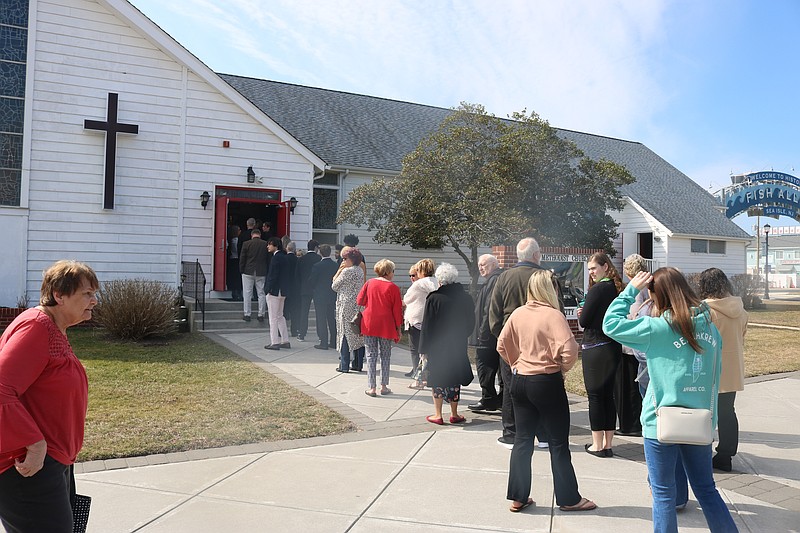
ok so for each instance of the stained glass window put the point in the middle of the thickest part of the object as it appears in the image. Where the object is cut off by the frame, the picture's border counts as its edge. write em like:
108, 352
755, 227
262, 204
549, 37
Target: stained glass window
10, 151
13, 44
325, 208
11, 115
12, 79
9, 186
14, 13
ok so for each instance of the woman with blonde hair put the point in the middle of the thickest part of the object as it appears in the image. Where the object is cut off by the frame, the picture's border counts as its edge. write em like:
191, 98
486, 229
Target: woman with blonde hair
381, 323
347, 283
540, 348
422, 284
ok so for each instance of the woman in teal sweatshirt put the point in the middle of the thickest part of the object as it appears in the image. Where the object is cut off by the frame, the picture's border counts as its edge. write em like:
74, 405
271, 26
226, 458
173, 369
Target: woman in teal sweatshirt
683, 359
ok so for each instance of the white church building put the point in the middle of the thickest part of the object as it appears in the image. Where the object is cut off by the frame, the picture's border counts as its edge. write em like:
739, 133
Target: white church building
122, 149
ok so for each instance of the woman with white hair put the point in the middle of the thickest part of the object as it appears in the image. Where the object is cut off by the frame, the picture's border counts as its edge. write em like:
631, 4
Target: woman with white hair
447, 323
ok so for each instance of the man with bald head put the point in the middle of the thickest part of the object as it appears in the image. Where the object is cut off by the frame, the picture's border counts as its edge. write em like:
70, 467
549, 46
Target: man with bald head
487, 360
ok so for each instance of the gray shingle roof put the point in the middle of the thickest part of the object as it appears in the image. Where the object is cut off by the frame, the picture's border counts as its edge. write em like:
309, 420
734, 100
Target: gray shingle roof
357, 131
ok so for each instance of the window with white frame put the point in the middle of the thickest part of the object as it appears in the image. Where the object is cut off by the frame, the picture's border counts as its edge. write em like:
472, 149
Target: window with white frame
707, 246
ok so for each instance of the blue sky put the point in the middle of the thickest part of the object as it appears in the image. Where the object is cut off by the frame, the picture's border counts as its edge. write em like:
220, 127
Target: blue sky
712, 86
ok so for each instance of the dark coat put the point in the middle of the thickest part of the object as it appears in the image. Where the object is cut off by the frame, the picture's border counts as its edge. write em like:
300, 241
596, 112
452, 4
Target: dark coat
447, 323
321, 278
481, 336
304, 265
253, 258
294, 288
511, 291
279, 277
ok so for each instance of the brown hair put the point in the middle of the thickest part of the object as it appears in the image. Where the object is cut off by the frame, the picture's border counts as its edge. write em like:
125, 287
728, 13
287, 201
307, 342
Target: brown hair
602, 259
353, 254
65, 277
424, 268
671, 292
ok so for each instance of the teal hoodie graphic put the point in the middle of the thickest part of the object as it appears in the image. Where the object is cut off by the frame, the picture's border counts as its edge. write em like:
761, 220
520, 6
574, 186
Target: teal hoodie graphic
678, 375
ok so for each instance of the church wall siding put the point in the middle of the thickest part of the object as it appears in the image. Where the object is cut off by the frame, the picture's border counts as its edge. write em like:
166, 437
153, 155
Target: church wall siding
84, 52
732, 262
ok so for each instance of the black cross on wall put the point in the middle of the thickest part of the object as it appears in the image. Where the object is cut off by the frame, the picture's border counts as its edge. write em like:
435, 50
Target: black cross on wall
111, 127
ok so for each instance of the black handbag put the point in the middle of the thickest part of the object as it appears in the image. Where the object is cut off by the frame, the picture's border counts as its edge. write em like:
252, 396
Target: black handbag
80, 513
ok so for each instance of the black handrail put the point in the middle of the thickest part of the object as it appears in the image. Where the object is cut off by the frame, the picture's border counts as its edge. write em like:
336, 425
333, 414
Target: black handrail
193, 279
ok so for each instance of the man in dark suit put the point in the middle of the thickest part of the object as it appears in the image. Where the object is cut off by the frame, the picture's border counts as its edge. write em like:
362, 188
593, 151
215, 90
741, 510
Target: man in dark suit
303, 274
278, 286
291, 308
324, 298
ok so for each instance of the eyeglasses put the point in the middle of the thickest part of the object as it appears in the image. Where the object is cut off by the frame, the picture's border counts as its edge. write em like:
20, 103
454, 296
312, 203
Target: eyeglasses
412, 275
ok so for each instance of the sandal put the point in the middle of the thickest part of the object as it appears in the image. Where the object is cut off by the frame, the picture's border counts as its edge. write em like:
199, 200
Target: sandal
415, 386
370, 393
433, 420
386, 392
457, 419
583, 505
516, 509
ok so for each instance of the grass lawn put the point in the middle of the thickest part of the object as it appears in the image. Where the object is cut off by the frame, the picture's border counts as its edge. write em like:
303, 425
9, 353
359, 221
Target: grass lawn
790, 317
186, 393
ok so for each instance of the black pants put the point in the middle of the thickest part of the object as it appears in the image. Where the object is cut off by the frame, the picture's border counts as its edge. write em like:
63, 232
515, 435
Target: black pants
487, 362
599, 370
627, 399
509, 427
302, 315
291, 310
541, 401
37, 503
727, 424
413, 345
326, 321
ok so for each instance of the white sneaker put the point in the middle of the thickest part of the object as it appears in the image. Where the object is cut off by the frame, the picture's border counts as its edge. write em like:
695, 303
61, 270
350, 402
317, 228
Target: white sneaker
543, 445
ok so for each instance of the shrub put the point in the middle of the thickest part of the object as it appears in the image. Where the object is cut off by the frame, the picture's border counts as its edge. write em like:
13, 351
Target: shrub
136, 308
747, 287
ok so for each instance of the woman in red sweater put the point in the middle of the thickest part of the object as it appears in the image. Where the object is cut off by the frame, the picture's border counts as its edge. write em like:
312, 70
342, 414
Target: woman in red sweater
383, 317
43, 397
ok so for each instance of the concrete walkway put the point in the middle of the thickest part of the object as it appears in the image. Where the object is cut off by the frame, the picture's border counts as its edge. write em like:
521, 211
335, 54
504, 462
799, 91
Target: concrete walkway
399, 473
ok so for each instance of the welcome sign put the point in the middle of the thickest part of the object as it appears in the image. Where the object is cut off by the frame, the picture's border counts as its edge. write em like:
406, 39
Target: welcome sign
777, 193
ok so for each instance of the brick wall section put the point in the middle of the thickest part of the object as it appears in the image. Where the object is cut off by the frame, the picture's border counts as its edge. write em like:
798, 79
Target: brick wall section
7, 315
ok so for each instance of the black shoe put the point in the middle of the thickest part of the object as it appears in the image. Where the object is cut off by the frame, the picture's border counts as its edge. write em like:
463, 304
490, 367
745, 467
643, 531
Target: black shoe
246, 318
599, 453
332, 346
506, 442
628, 433
321, 346
301, 337
261, 319
342, 371
480, 406
722, 462
286, 345
409, 373
273, 346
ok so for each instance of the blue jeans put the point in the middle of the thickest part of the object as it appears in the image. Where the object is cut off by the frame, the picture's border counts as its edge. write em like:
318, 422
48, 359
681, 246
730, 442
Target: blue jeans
661, 460
681, 483
344, 357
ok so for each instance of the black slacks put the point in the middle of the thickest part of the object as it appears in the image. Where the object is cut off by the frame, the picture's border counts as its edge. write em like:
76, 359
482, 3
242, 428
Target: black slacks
509, 426
37, 503
487, 363
599, 371
727, 424
302, 315
326, 321
541, 401
627, 399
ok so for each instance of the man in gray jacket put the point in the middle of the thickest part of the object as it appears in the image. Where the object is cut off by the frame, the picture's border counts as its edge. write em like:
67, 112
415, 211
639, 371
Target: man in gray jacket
487, 360
253, 266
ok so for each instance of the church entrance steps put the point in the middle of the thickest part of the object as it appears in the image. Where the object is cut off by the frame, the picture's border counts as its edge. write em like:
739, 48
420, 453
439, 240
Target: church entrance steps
223, 316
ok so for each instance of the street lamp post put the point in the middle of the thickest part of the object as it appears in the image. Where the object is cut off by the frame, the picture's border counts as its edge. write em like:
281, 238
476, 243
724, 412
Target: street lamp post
767, 227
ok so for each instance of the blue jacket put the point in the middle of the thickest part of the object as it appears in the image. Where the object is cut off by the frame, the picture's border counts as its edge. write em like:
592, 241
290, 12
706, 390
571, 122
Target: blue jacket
678, 375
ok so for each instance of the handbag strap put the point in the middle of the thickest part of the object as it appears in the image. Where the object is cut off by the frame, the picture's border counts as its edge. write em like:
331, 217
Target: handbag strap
713, 387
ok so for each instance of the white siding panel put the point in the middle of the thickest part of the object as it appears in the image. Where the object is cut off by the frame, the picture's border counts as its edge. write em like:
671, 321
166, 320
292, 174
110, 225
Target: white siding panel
84, 52
732, 262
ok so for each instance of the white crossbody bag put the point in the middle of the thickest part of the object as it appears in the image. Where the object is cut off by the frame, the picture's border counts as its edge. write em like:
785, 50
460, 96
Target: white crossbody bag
684, 425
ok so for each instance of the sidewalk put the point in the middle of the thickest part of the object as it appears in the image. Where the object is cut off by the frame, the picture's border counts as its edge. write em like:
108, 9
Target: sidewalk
402, 474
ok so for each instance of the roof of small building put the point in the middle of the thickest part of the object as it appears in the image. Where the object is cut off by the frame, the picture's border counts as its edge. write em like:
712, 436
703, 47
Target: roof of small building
349, 130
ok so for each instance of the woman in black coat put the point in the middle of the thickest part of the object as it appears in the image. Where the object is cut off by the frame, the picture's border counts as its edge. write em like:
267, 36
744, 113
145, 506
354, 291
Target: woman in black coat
447, 324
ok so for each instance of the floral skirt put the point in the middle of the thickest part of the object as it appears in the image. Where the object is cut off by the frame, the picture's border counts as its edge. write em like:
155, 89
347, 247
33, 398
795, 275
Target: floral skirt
449, 394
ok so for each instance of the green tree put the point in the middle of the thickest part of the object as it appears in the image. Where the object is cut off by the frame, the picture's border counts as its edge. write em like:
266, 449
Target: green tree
479, 181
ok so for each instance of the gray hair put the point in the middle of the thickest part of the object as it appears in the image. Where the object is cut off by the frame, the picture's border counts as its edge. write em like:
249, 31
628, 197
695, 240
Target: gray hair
528, 250
634, 264
291, 247
446, 274
489, 258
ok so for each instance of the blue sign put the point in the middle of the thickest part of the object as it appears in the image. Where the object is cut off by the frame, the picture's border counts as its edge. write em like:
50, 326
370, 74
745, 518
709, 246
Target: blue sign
766, 195
774, 176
